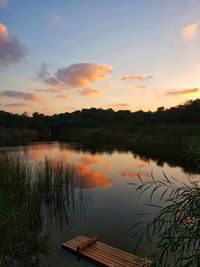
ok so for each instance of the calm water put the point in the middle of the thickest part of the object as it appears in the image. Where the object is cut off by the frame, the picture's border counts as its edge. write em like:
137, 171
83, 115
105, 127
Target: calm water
109, 205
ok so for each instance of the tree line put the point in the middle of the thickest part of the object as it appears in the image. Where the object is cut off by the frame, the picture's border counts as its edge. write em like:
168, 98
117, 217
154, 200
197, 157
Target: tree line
185, 117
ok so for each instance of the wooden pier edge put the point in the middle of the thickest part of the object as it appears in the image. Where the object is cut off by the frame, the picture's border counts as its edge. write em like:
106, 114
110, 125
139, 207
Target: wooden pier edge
103, 254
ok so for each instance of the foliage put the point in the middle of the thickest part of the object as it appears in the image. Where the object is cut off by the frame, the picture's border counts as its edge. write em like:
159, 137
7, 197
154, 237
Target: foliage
192, 153
174, 230
176, 122
31, 195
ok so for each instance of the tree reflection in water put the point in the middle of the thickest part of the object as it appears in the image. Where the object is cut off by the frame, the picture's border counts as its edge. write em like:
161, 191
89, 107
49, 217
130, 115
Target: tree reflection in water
174, 231
32, 197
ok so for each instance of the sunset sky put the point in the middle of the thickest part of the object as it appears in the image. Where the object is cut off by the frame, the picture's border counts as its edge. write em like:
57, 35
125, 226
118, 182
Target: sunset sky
61, 55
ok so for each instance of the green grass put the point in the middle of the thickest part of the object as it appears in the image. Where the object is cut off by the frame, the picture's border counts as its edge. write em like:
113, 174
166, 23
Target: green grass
31, 196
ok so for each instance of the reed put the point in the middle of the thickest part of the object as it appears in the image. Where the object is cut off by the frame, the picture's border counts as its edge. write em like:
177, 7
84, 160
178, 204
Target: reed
32, 196
175, 227
192, 152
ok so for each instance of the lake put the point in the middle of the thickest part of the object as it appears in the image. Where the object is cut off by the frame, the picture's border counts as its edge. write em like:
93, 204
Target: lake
106, 204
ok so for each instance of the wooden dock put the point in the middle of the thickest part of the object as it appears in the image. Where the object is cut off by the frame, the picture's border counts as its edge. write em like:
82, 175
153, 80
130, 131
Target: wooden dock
103, 254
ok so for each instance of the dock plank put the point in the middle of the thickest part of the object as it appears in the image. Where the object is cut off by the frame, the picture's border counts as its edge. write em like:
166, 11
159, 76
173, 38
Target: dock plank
108, 254
104, 254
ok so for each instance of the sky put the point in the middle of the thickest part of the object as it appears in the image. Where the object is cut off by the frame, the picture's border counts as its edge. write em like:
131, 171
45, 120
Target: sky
63, 55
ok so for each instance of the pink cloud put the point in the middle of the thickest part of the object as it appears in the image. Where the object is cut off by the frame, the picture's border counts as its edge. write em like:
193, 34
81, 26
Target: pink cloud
21, 95
190, 31
90, 92
11, 49
15, 105
183, 92
133, 77
82, 74
79, 75
53, 89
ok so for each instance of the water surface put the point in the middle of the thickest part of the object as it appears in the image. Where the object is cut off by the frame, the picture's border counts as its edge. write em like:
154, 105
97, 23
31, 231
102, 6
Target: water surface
109, 205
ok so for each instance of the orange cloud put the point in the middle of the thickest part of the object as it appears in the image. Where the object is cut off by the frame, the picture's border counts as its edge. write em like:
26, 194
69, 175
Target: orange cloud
40, 152
133, 77
183, 92
82, 74
79, 75
190, 31
21, 95
88, 160
85, 177
3, 32
11, 50
90, 92
88, 178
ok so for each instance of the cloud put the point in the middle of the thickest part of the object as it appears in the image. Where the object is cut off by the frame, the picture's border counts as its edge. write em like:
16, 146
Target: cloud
89, 160
52, 89
88, 178
190, 31
119, 106
15, 105
79, 75
183, 92
90, 92
82, 74
11, 49
43, 71
62, 97
21, 95
3, 2
133, 77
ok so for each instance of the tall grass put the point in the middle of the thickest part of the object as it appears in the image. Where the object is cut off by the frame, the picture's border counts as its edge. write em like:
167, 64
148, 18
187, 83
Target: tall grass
32, 195
192, 152
174, 231
17, 135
